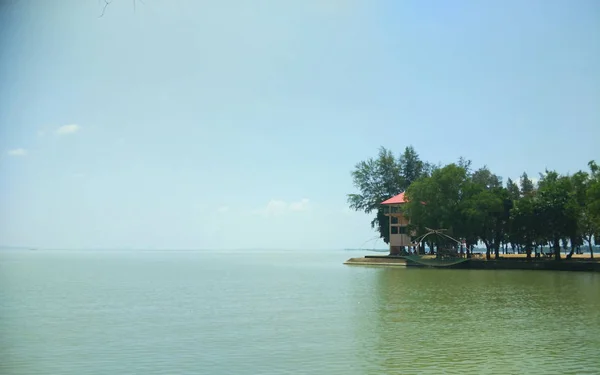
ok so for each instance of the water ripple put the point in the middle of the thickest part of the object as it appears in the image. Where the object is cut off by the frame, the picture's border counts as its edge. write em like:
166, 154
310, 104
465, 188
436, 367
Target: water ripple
286, 313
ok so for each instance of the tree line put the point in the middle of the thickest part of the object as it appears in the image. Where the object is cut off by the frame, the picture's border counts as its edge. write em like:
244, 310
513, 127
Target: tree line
475, 206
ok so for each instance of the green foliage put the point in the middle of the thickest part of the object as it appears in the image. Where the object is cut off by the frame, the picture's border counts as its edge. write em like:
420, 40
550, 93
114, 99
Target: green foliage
513, 190
475, 205
376, 179
525, 226
441, 192
593, 194
557, 208
591, 219
527, 186
382, 178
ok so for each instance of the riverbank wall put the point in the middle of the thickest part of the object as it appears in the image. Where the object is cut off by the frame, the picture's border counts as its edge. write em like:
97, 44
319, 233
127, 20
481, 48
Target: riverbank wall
524, 264
377, 261
573, 265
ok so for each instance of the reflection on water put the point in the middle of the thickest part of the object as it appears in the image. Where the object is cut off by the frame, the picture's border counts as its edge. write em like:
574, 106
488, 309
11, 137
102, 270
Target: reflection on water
460, 321
287, 313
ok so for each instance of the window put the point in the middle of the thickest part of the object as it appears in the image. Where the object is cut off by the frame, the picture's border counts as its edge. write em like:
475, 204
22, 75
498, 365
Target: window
398, 230
394, 220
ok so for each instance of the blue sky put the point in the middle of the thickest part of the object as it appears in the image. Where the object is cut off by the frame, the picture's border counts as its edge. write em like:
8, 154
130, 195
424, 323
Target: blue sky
235, 124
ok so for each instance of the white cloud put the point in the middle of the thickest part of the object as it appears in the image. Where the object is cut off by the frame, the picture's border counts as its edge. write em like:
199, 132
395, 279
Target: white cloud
223, 209
302, 205
277, 207
67, 129
17, 152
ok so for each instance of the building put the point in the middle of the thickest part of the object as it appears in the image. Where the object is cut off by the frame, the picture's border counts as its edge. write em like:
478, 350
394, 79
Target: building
400, 238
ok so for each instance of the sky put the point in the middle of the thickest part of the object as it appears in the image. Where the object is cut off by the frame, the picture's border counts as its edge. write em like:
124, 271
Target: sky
235, 124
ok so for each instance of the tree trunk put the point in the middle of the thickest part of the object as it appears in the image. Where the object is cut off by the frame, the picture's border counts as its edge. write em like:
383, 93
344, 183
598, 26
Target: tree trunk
557, 249
528, 250
488, 253
570, 255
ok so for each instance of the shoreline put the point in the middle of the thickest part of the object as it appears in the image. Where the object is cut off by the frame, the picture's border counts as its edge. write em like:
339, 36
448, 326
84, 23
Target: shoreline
378, 261
514, 262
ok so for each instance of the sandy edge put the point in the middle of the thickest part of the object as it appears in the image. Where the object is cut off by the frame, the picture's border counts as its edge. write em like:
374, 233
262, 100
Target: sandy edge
376, 262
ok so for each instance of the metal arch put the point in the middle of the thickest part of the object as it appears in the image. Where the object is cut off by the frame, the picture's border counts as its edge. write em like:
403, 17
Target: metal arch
439, 232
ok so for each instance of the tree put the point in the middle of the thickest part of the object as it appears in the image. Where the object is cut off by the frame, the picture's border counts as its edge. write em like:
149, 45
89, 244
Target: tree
557, 208
589, 229
377, 180
590, 220
487, 207
514, 194
412, 167
475, 206
492, 216
577, 225
486, 179
524, 223
435, 201
382, 178
513, 190
527, 186
593, 195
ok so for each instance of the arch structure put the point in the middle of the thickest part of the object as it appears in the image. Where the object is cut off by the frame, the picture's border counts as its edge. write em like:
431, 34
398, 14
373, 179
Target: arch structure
444, 258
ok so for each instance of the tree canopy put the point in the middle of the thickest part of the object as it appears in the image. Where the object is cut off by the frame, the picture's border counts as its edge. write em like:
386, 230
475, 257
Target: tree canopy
382, 178
477, 207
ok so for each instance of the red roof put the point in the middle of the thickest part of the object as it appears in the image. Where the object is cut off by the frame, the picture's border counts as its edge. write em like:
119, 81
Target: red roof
398, 199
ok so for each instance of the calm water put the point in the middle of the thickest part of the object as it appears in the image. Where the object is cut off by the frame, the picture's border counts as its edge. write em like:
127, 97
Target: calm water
287, 313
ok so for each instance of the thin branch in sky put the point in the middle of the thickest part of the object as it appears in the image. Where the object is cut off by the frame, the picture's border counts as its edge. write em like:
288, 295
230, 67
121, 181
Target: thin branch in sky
106, 4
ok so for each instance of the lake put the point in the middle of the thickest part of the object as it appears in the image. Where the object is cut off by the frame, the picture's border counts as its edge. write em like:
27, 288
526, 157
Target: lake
287, 312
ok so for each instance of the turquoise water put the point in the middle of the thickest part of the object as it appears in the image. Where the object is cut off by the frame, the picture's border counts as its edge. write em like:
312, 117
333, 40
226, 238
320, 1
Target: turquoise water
270, 312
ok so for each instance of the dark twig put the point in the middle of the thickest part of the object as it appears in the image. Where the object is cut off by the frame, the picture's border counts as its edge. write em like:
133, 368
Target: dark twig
106, 4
